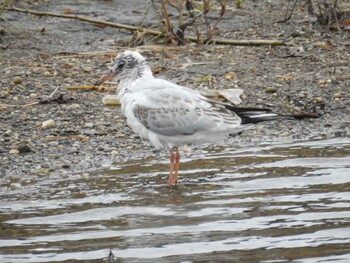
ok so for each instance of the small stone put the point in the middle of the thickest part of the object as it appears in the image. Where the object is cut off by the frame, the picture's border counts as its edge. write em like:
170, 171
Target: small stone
270, 90
74, 106
114, 152
15, 186
17, 80
73, 150
89, 132
110, 100
24, 148
337, 95
14, 151
43, 172
2, 30
230, 75
42, 30
319, 99
48, 124
65, 166
4, 94
45, 166
120, 135
33, 95
89, 125
14, 178
243, 96
47, 74
87, 69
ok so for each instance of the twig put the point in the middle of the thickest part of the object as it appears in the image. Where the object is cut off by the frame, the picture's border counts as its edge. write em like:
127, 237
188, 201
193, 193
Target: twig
85, 54
334, 6
165, 16
151, 32
90, 87
33, 103
87, 19
222, 12
53, 93
287, 17
254, 42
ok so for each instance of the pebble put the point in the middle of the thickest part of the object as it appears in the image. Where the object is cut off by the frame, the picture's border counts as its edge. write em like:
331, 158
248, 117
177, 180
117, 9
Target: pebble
4, 94
45, 165
14, 178
48, 124
89, 125
110, 100
319, 99
65, 166
73, 150
17, 80
230, 75
89, 132
24, 148
54, 143
15, 186
47, 74
337, 95
14, 151
43, 172
33, 95
87, 69
74, 106
270, 90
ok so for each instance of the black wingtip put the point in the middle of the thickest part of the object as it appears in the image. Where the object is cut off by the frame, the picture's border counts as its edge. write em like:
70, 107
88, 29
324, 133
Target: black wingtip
256, 115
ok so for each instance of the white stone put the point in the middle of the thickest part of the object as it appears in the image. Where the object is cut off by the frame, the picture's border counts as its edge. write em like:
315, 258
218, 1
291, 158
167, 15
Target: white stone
110, 100
48, 124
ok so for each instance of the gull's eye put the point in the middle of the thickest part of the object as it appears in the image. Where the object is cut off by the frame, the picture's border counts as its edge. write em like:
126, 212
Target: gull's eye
121, 65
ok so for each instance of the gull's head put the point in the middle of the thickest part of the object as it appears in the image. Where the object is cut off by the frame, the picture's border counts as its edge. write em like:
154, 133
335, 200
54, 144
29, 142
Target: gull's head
127, 65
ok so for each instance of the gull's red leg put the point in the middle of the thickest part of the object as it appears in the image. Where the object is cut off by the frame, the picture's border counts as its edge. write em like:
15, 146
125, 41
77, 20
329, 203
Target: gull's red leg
177, 164
171, 170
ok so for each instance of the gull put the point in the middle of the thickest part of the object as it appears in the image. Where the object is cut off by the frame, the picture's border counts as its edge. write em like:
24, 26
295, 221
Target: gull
170, 115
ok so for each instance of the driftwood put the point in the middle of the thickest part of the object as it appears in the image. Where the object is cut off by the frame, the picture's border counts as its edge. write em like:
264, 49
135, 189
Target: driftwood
149, 31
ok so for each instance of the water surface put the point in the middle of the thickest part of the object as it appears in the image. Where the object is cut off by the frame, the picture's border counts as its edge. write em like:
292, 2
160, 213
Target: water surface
268, 203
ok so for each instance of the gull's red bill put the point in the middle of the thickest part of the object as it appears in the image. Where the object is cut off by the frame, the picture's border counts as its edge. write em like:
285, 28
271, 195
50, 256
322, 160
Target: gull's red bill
107, 77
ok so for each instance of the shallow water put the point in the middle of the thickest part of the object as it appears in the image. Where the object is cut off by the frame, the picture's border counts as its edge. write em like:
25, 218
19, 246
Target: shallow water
269, 203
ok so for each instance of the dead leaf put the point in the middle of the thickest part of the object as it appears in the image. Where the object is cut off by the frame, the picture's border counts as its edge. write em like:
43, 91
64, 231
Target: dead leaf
229, 75
167, 55
157, 70
42, 30
345, 23
232, 95
68, 11
286, 76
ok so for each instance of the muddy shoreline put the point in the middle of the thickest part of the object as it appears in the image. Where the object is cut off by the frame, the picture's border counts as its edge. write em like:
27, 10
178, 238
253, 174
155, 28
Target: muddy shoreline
86, 135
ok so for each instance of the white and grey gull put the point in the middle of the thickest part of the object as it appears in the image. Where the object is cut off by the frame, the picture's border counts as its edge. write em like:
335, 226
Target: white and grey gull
170, 115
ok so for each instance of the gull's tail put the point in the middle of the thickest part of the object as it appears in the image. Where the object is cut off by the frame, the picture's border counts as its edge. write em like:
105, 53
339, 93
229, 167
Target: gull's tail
255, 115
